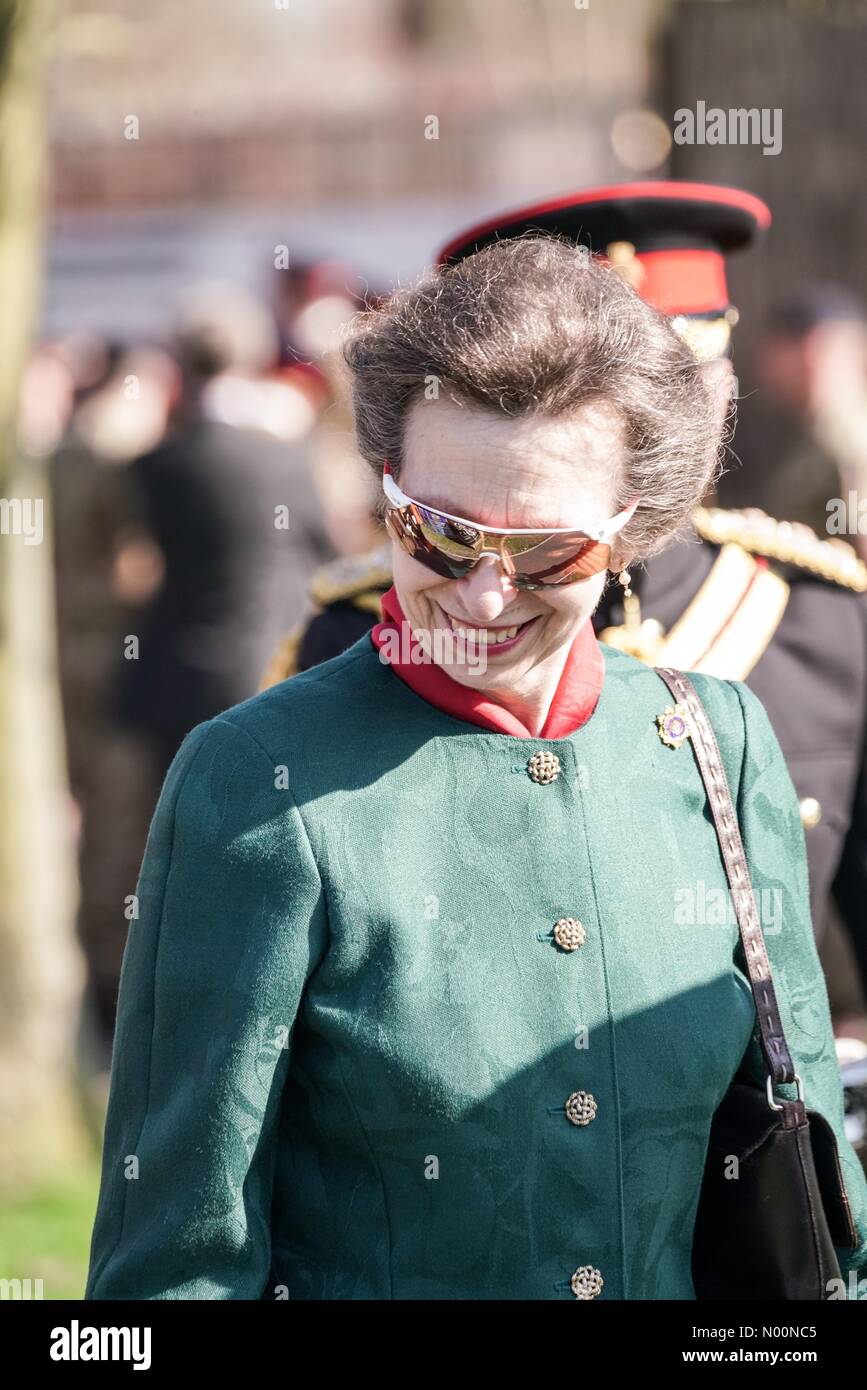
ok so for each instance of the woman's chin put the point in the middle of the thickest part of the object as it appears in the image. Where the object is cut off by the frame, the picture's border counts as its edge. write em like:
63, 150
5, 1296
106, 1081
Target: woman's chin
505, 674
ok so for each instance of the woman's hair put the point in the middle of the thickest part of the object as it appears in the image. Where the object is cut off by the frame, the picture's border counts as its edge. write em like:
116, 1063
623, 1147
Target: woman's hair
536, 325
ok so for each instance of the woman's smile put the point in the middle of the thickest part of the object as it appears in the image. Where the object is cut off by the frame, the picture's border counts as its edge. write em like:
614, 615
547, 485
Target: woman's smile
495, 638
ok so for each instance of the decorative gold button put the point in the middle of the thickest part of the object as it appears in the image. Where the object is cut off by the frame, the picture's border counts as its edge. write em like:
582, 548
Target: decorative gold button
569, 934
586, 1282
581, 1108
544, 767
811, 812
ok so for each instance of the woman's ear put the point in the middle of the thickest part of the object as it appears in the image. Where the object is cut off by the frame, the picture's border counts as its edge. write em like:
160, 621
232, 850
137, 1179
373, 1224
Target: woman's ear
621, 559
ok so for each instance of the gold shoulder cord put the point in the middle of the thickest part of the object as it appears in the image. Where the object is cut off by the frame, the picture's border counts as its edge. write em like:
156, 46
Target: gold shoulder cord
730, 622
352, 577
789, 542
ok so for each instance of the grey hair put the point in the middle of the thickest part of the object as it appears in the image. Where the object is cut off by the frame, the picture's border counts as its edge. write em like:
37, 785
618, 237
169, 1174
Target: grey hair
535, 325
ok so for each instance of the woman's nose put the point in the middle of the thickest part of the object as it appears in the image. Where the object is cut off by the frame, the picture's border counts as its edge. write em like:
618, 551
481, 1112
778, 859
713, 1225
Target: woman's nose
486, 590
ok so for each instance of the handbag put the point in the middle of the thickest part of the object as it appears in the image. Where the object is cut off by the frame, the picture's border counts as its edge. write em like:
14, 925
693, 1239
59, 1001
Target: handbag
770, 1231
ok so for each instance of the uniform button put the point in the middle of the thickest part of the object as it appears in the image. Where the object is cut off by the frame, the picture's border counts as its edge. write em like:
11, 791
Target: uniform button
569, 934
581, 1108
586, 1282
811, 812
544, 767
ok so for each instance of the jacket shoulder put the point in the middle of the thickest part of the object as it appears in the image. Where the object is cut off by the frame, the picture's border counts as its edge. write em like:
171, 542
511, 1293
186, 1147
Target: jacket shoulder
732, 703
317, 704
356, 579
737, 716
716, 693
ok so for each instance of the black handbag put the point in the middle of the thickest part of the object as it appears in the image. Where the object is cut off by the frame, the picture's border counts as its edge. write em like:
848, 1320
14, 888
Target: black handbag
769, 1232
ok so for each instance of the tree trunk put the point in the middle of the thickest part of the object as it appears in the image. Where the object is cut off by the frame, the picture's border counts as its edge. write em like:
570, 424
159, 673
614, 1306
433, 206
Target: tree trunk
41, 1129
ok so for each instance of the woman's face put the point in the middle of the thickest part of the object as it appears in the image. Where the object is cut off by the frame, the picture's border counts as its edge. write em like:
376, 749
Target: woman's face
534, 472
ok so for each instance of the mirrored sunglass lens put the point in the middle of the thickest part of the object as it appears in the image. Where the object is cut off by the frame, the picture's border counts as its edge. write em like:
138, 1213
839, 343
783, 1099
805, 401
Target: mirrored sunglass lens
561, 561
426, 546
452, 537
450, 548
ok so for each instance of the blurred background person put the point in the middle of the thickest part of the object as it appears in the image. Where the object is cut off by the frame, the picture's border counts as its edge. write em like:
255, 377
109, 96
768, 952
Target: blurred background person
239, 525
314, 302
810, 369
102, 567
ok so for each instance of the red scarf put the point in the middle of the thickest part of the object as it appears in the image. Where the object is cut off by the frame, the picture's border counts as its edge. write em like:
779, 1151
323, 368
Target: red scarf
574, 701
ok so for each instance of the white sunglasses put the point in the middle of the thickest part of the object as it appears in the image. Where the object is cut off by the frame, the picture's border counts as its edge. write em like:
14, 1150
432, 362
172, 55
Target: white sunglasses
534, 559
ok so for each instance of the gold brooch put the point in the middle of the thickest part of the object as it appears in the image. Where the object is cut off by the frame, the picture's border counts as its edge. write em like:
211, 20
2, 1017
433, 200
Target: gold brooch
674, 725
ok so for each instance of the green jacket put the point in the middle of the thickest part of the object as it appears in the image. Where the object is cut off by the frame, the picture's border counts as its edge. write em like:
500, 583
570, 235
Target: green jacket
347, 1031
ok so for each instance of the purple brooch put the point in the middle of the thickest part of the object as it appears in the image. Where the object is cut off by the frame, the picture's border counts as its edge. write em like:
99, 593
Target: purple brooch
674, 727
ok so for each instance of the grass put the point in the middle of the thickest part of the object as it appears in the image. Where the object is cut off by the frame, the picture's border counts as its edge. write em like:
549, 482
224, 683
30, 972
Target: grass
46, 1233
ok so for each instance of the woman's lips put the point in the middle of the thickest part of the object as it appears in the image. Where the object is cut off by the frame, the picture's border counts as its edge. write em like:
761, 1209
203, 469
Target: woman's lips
491, 645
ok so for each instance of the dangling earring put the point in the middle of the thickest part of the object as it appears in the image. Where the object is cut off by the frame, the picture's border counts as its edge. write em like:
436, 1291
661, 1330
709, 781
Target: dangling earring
631, 604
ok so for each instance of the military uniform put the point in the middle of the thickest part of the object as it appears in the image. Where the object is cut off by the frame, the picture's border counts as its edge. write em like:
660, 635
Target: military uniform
745, 597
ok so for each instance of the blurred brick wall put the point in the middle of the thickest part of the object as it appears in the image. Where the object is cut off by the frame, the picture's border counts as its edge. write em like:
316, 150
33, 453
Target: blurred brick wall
239, 100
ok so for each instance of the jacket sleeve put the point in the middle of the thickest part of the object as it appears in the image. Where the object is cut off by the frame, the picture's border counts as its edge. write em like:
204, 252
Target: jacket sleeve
231, 923
774, 842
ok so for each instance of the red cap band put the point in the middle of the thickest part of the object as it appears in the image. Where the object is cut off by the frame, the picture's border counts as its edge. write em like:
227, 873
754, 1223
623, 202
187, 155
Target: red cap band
684, 281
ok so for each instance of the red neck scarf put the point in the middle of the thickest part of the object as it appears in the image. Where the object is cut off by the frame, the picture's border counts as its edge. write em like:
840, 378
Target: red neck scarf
574, 701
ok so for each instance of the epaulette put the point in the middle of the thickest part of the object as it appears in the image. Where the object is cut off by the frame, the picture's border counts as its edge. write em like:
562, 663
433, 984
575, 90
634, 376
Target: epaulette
788, 542
358, 579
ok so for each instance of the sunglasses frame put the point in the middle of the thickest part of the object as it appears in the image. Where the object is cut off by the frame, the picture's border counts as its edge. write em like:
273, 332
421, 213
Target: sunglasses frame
399, 500
602, 533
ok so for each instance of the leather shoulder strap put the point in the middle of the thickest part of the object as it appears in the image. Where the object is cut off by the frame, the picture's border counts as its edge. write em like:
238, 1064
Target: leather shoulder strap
710, 765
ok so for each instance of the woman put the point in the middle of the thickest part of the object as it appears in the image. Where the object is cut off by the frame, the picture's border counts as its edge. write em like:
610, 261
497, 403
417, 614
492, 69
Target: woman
425, 998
